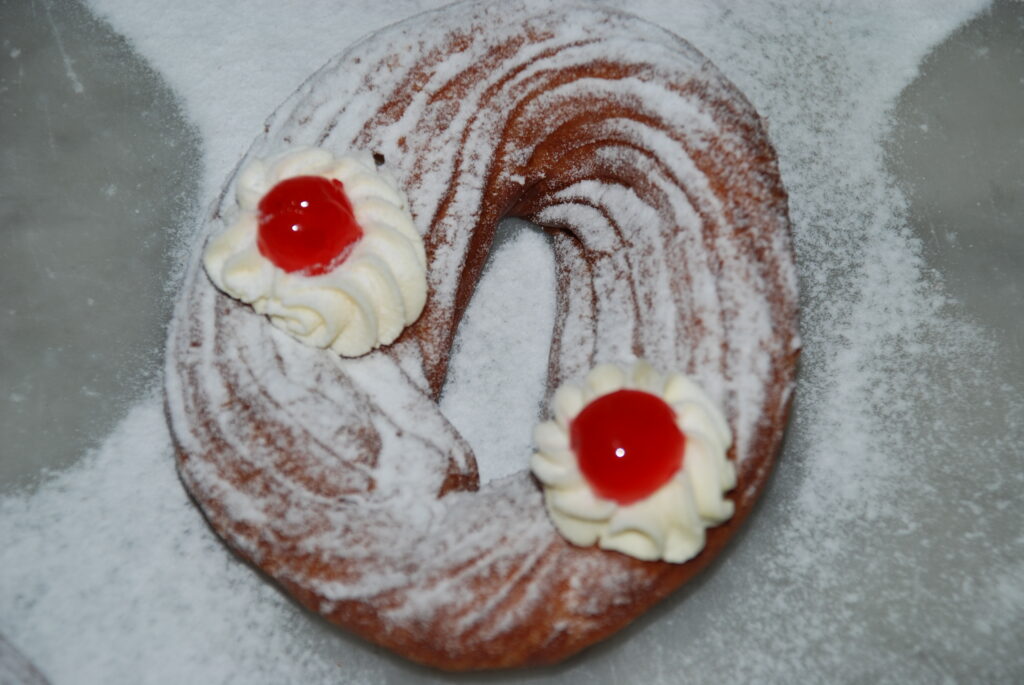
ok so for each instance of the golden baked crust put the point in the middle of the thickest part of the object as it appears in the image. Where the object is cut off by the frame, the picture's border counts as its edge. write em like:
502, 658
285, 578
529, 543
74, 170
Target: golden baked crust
341, 479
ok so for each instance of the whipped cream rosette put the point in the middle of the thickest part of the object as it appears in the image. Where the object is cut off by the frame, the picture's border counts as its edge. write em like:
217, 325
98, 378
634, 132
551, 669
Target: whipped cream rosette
325, 247
635, 462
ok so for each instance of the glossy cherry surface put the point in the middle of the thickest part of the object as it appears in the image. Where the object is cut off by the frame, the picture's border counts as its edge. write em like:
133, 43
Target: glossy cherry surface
627, 444
306, 224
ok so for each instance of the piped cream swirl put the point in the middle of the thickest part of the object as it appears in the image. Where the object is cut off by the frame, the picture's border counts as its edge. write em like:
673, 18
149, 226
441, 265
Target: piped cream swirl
364, 302
670, 523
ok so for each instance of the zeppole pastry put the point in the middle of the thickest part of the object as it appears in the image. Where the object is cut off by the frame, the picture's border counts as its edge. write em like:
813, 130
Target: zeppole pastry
311, 341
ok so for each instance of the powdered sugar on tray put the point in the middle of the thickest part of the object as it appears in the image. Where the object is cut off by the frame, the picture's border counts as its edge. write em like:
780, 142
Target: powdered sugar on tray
112, 554
491, 416
863, 562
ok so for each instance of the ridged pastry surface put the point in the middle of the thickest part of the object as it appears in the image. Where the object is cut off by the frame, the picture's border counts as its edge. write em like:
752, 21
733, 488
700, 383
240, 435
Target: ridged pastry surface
341, 478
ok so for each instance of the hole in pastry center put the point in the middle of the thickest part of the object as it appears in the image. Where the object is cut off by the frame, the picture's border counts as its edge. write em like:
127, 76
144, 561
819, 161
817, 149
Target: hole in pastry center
497, 375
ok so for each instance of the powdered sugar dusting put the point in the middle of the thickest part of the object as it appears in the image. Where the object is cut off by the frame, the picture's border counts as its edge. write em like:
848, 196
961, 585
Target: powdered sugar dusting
327, 472
843, 571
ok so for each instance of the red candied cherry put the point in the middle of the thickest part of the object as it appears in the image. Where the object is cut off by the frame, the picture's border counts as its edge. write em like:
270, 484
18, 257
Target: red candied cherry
306, 224
627, 444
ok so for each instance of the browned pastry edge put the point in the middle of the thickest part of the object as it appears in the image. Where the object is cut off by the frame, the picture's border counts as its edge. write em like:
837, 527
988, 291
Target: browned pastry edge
15, 667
